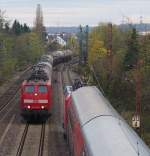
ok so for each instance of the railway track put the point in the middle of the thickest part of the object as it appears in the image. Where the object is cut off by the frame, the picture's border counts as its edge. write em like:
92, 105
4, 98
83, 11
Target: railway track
26, 136
65, 76
69, 77
57, 145
10, 93
41, 145
22, 142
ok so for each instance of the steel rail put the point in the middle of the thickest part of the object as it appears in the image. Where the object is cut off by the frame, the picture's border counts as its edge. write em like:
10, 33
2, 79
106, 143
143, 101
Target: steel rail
22, 142
41, 145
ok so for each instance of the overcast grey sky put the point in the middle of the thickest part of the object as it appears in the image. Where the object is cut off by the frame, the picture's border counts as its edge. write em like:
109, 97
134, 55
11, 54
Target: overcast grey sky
75, 12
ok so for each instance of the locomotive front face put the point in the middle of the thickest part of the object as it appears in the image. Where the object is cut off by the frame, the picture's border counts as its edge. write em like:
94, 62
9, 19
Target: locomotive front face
36, 91
36, 98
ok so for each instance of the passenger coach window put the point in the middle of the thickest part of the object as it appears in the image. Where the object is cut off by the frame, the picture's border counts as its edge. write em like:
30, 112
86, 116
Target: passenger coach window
29, 89
42, 89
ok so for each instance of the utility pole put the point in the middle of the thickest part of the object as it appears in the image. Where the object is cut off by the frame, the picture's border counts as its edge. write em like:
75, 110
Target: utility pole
87, 43
138, 90
136, 119
109, 50
81, 44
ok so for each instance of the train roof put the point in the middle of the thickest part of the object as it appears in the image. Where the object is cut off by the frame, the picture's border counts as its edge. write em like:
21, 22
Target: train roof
62, 53
36, 82
57, 53
44, 63
48, 58
109, 136
90, 103
104, 130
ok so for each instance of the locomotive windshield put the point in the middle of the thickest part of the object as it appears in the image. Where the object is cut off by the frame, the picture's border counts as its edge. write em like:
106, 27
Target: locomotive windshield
29, 89
42, 89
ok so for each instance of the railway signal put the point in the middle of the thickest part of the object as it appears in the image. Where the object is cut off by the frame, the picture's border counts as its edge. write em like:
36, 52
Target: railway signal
83, 42
87, 43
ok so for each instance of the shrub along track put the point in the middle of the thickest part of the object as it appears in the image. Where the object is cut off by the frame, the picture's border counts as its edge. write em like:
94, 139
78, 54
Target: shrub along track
10, 93
8, 103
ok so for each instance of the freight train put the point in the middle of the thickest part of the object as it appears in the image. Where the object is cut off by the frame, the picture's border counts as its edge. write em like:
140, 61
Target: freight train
61, 56
93, 127
36, 91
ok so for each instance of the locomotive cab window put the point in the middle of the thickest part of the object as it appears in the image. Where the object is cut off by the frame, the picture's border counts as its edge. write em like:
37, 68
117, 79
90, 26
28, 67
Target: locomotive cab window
43, 89
29, 89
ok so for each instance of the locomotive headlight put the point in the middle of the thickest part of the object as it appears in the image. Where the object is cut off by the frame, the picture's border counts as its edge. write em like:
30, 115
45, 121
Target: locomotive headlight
35, 94
42, 107
28, 107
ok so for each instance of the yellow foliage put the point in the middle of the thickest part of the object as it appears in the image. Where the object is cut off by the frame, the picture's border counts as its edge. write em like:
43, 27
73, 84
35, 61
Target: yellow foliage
96, 48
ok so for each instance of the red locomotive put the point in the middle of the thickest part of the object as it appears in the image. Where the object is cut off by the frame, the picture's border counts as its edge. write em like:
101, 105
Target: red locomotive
36, 91
36, 98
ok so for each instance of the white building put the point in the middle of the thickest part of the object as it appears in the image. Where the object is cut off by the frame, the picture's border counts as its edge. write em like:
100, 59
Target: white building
60, 41
143, 33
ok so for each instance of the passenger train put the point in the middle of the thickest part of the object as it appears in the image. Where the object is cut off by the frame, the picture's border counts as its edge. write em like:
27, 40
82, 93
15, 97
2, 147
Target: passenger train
94, 128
